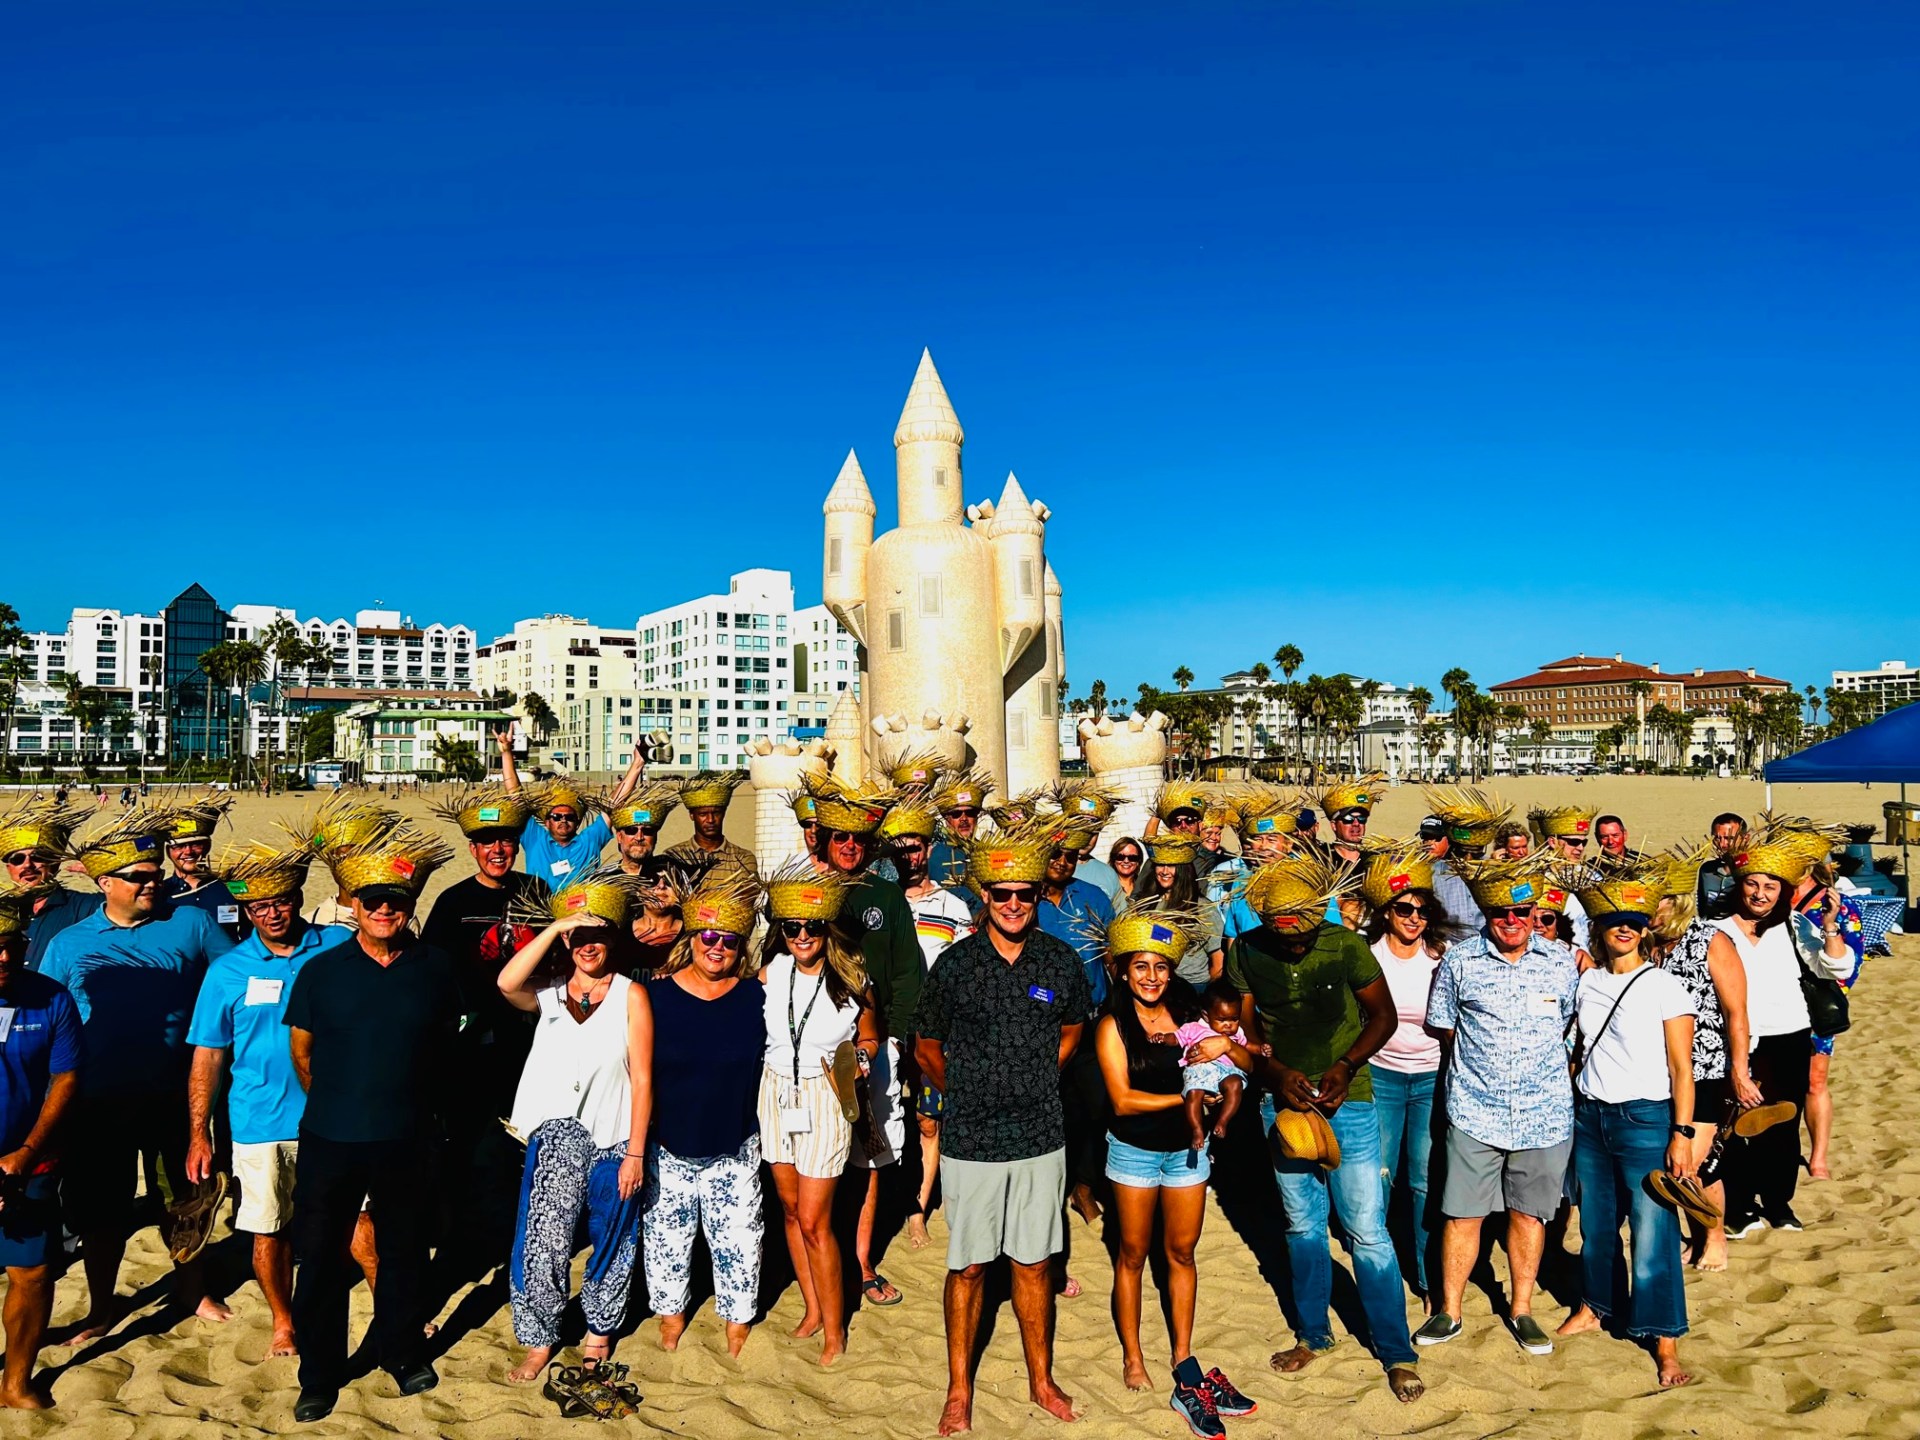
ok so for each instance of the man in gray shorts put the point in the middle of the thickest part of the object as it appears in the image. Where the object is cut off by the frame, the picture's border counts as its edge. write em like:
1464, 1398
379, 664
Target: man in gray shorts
999, 1014
1500, 1004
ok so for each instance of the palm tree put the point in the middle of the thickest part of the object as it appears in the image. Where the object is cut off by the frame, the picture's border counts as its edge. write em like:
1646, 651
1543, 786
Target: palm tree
1183, 677
1813, 702
1420, 701
1433, 739
217, 665
12, 637
1455, 685
283, 643
458, 759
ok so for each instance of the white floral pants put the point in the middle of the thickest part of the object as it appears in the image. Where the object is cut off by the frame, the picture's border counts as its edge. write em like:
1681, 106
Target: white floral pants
718, 1197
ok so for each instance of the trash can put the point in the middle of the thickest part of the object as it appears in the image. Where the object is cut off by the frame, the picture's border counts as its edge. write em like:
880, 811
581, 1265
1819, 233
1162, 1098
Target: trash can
1903, 823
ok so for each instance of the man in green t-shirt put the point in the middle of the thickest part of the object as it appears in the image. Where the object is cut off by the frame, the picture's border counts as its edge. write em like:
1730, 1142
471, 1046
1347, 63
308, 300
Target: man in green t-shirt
1313, 994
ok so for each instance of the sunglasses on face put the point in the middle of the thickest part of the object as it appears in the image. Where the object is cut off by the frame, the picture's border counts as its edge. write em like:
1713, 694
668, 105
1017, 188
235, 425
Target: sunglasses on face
843, 837
1407, 909
1126, 859
20, 857
1511, 912
636, 829
725, 939
963, 814
794, 929
142, 880
562, 817
1635, 923
1011, 894
1546, 919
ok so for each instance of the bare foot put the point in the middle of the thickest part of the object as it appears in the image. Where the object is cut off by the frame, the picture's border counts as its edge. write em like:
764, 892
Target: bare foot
957, 1417
672, 1327
211, 1309
808, 1327
1579, 1322
429, 1329
1291, 1362
1816, 1170
832, 1347
1713, 1255
917, 1232
1133, 1374
736, 1336
1406, 1384
1055, 1401
94, 1325
282, 1342
1070, 1290
31, 1398
531, 1368
1666, 1354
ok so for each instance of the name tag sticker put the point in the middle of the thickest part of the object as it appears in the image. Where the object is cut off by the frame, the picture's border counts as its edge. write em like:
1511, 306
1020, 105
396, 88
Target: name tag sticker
262, 991
561, 867
1040, 993
227, 914
6, 1022
1546, 1005
796, 1122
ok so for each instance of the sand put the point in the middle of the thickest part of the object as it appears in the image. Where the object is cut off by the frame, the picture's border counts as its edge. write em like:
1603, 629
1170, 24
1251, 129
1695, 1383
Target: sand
1810, 1333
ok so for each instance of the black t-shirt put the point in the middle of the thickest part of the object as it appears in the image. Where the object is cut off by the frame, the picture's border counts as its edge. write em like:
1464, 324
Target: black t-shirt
1000, 1024
381, 1039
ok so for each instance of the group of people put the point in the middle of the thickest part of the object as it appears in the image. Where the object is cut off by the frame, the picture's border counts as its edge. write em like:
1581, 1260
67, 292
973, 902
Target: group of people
938, 1002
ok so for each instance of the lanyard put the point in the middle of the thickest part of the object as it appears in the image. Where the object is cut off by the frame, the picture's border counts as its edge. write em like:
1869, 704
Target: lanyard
794, 1031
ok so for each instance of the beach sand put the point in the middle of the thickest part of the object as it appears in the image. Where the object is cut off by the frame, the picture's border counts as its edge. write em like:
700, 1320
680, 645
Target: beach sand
1810, 1333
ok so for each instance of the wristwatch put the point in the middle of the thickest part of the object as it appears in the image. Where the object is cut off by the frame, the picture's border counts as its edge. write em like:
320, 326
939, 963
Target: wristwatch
1686, 1130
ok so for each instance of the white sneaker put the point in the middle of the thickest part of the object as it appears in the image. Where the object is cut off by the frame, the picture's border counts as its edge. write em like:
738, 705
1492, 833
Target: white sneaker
1752, 1227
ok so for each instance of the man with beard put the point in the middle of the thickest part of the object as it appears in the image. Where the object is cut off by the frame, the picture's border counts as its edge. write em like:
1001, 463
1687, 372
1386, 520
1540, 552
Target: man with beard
706, 796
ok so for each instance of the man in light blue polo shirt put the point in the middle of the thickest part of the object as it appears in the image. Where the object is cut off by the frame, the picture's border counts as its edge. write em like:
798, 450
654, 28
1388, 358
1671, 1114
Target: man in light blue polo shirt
241, 1011
555, 845
133, 968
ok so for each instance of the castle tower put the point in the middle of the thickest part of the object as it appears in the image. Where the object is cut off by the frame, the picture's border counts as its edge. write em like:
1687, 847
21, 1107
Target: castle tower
849, 510
1027, 644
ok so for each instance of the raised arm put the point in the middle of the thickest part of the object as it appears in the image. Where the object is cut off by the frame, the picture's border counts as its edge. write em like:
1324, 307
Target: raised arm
503, 737
517, 974
636, 768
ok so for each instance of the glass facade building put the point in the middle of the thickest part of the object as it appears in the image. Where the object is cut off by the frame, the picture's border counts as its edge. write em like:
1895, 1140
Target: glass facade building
195, 624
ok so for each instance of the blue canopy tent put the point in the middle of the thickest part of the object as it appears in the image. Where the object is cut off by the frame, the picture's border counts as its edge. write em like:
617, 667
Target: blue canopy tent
1887, 751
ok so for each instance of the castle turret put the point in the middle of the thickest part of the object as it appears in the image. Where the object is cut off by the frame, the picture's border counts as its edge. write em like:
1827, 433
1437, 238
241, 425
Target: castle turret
926, 447
1033, 689
849, 510
1018, 531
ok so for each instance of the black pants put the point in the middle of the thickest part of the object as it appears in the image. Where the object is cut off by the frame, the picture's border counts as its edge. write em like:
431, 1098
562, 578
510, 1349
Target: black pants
330, 1179
1763, 1172
1083, 1097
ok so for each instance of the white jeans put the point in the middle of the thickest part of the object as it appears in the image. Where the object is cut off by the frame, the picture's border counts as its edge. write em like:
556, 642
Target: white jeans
719, 1197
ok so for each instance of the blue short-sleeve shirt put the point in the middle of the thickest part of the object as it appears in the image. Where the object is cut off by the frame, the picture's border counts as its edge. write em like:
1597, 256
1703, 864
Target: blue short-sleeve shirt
242, 1006
42, 1040
1081, 918
560, 865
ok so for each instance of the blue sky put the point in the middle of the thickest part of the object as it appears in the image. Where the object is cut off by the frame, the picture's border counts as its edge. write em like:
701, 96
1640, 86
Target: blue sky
1413, 334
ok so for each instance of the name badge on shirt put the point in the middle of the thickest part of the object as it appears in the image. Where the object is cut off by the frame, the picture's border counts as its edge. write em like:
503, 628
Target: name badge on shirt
6, 1022
561, 867
1546, 1005
227, 914
1040, 993
795, 1121
262, 991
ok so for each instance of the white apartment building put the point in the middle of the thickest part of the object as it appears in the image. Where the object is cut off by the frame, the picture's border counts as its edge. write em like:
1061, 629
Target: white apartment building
395, 739
376, 650
556, 657
119, 652
1893, 684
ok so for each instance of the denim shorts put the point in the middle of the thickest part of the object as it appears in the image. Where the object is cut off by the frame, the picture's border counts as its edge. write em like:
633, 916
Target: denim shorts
1156, 1169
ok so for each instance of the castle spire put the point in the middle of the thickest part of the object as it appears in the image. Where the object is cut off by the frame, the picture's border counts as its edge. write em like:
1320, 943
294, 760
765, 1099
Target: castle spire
928, 413
850, 492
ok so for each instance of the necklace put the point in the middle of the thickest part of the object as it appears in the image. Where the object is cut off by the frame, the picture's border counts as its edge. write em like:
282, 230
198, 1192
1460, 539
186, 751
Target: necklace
584, 1005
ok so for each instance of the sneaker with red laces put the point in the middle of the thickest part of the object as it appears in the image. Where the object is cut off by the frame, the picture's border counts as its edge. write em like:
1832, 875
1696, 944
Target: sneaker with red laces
1227, 1400
1195, 1404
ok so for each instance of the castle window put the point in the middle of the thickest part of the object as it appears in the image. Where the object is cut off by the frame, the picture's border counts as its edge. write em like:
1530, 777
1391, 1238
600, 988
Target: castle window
896, 630
930, 595
939, 479
834, 547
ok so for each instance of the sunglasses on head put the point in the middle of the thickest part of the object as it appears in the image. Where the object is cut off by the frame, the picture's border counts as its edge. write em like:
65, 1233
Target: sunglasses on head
794, 929
1011, 894
1407, 909
1511, 912
725, 939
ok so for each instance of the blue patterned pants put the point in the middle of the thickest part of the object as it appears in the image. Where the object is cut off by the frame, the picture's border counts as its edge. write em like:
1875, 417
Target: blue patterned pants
719, 1197
565, 1179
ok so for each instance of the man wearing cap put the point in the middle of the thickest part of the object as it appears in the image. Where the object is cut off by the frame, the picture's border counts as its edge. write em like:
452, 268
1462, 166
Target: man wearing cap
1500, 1004
371, 1023
133, 968
238, 1023
1001, 1012
33, 837
706, 796
189, 842
1314, 995
560, 842
1718, 890
960, 799
40, 1056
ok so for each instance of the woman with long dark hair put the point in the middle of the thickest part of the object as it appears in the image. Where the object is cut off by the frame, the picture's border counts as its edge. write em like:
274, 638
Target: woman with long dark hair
1169, 881
1153, 1168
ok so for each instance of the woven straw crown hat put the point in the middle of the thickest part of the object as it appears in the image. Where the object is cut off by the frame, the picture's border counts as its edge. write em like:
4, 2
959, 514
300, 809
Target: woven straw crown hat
1680, 867
797, 891
858, 812
727, 899
1567, 822
547, 796
608, 894
197, 819
1618, 894
1787, 848
912, 814
343, 821
16, 909
1016, 855
1145, 928
137, 835
1361, 794
1027, 805
963, 790
1088, 800
260, 872
1306, 1135
1169, 848
1390, 873
803, 807
710, 789
1497, 884
923, 770
480, 808
649, 804
1293, 892
1473, 817
1268, 810
1180, 795
403, 858
41, 826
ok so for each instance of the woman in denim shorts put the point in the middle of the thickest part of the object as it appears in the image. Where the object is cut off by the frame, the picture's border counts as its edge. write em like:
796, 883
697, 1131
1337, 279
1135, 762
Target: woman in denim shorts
1150, 1160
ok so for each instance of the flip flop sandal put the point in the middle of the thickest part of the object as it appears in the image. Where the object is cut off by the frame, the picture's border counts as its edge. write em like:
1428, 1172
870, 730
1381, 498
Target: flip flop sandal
880, 1282
1675, 1193
845, 1076
1763, 1118
582, 1395
190, 1223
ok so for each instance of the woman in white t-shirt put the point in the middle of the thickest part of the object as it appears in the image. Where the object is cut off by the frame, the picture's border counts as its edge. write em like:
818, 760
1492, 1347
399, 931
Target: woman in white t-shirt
821, 1036
1633, 1085
1405, 938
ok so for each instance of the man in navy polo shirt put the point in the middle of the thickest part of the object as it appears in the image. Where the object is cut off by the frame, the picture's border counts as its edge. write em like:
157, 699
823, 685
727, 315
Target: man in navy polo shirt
189, 843
559, 844
240, 1014
40, 1050
133, 968
33, 837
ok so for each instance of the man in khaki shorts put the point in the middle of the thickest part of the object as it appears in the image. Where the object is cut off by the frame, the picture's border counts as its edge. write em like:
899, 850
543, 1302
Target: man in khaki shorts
998, 1016
238, 1020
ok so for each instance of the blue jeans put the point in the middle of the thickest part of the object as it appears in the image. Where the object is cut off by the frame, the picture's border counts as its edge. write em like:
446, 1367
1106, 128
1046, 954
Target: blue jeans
1355, 1191
1614, 1148
1404, 1105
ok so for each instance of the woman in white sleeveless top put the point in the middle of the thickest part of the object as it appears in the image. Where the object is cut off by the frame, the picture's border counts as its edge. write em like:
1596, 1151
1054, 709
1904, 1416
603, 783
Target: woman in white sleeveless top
582, 1108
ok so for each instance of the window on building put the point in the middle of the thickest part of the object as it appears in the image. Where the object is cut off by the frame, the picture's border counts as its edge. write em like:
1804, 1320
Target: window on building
896, 630
930, 595
834, 547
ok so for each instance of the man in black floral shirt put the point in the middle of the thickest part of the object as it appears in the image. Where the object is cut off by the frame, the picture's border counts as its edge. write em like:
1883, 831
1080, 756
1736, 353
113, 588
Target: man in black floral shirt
999, 1014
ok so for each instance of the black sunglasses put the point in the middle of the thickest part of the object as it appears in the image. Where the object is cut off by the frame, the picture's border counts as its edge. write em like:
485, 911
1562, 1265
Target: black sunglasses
841, 837
965, 812
635, 829
1126, 859
794, 929
1511, 912
19, 857
1011, 894
143, 879
1407, 909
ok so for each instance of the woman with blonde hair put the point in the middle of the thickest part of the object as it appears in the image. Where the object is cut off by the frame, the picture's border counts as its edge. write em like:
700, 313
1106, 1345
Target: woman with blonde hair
821, 1034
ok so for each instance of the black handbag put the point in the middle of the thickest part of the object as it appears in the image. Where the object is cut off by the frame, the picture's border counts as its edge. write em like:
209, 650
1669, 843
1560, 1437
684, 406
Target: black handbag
1826, 1000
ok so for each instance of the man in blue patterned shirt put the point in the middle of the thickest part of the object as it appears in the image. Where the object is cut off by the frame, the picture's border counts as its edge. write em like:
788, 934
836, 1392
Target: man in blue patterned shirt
1500, 1003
